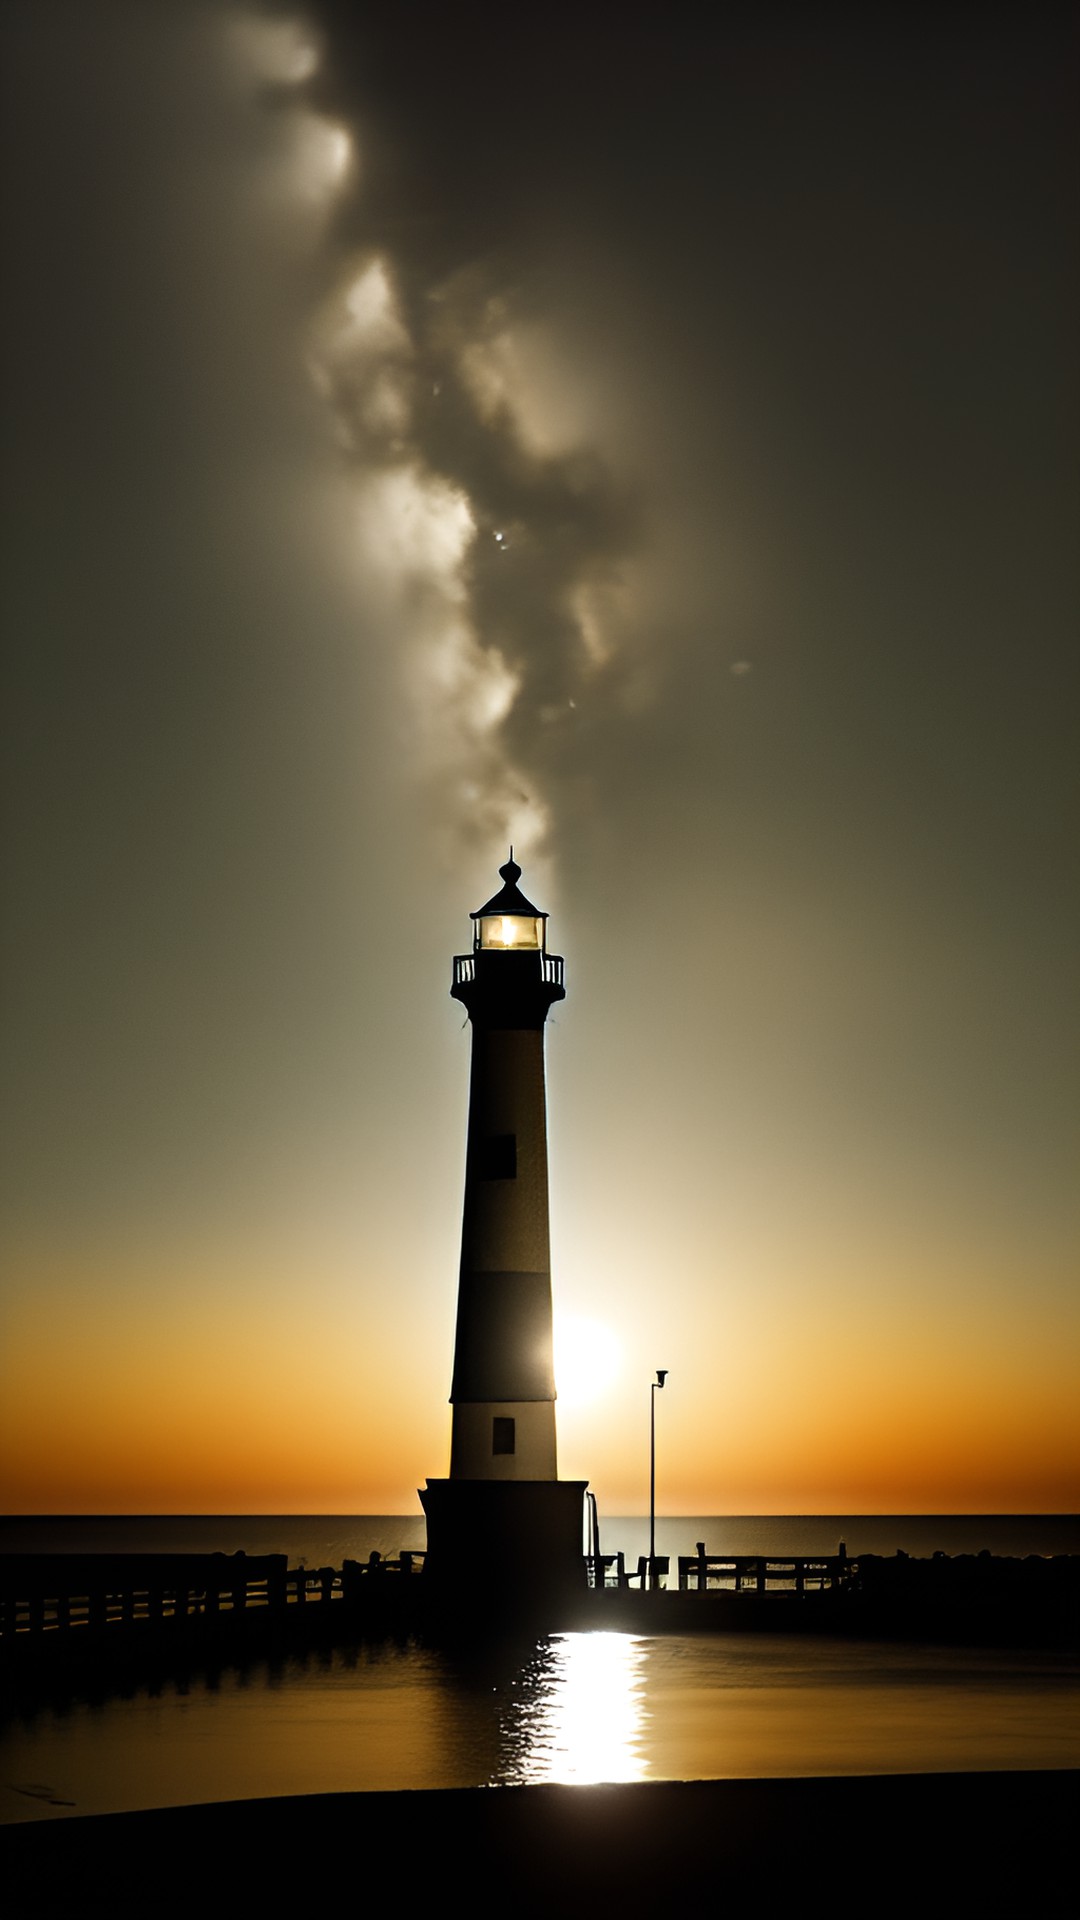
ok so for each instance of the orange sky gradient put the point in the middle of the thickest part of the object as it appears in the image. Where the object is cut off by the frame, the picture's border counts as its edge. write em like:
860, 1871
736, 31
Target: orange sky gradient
186, 1395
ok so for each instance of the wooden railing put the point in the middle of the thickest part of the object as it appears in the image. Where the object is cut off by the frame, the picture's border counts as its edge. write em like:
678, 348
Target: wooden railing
46, 1594
609, 1570
61, 1594
93, 1605
702, 1572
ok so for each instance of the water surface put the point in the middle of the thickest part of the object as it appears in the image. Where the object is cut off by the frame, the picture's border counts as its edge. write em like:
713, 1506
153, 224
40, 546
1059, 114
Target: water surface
570, 1707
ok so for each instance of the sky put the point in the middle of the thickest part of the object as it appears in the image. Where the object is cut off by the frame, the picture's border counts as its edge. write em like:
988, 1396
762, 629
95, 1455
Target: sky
647, 440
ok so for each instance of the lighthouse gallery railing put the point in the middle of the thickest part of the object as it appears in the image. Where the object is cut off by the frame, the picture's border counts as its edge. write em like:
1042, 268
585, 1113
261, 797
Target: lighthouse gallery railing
551, 969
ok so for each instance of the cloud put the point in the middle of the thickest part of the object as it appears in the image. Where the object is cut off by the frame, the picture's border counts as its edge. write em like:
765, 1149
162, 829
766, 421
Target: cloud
470, 481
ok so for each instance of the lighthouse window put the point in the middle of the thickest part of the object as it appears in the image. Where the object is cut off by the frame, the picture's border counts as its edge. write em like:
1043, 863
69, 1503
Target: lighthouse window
502, 1434
498, 1157
510, 931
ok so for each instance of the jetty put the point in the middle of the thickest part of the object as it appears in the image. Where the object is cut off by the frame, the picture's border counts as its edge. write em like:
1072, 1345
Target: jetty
101, 1619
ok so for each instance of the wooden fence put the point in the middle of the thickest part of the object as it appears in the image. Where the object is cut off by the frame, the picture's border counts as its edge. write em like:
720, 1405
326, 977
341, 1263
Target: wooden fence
62, 1594
703, 1572
72, 1611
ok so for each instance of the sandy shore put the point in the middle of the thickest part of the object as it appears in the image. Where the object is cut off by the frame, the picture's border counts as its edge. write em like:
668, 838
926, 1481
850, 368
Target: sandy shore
522, 1850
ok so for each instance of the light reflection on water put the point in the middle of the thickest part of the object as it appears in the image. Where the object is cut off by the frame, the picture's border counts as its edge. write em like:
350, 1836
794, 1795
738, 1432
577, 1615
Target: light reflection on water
572, 1707
580, 1716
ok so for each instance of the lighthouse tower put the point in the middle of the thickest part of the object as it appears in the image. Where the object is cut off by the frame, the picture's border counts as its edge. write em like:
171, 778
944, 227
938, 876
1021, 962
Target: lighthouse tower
504, 1520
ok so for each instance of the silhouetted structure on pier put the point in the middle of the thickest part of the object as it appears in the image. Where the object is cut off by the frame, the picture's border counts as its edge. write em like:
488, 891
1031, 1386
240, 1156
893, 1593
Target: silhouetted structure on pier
503, 1507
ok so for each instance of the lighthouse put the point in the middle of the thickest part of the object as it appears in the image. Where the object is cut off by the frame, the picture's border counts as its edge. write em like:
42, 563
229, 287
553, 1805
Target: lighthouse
503, 1522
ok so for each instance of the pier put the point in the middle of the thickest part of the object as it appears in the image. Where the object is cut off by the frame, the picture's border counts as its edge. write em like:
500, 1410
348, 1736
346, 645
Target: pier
96, 1617
103, 1607
56, 1594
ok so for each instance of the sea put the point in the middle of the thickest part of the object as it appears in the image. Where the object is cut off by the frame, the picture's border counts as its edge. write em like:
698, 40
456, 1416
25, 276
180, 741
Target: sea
568, 1707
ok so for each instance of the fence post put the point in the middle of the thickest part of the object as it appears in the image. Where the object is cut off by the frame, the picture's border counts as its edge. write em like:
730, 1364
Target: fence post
277, 1584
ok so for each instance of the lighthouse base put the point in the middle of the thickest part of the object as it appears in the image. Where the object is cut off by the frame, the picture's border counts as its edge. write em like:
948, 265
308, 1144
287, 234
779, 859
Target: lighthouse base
514, 1543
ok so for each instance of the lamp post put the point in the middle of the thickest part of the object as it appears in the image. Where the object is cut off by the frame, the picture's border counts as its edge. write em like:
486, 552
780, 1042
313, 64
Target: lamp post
661, 1376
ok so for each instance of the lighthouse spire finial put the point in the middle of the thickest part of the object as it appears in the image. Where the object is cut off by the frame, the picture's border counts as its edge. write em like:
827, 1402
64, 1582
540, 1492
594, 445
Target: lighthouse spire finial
511, 872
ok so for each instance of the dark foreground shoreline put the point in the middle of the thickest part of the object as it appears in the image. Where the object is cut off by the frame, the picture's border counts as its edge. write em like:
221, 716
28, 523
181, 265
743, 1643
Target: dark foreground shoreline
925, 1839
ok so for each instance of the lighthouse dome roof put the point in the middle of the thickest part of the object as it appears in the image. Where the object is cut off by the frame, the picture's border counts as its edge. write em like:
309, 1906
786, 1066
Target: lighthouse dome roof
509, 898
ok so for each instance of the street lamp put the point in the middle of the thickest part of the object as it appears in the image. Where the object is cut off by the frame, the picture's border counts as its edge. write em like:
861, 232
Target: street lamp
661, 1376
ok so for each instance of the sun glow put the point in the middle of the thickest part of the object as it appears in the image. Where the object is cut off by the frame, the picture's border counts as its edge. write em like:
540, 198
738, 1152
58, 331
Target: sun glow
588, 1360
